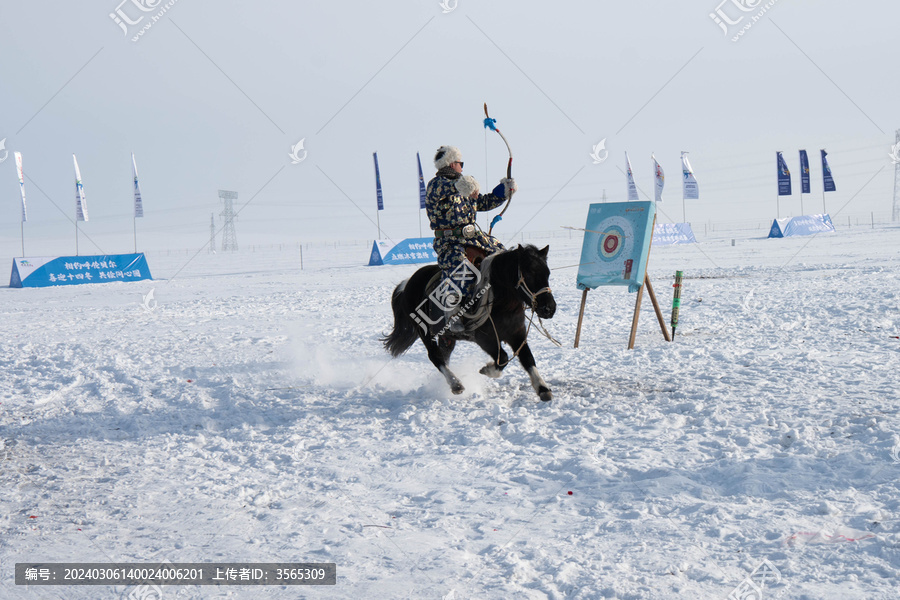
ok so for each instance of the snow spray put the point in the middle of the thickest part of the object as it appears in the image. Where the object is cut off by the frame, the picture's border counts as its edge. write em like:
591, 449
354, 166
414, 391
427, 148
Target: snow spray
676, 301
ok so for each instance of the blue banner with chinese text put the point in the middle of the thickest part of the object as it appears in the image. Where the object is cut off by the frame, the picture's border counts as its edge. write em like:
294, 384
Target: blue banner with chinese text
73, 270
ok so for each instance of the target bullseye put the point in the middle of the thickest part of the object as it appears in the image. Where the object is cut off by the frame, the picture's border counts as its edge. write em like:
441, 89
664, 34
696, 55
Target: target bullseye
610, 244
614, 243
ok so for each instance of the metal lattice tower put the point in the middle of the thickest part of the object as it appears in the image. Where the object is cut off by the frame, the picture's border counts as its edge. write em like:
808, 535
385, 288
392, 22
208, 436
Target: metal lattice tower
212, 233
895, 213
229, 237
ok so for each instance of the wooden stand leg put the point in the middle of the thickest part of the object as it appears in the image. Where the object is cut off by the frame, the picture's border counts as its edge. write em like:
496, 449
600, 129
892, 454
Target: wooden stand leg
580, 317
637, 303
637, 313
659, 315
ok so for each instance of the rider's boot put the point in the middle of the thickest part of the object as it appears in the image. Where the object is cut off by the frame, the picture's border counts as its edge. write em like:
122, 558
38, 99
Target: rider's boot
457, 325
454, 316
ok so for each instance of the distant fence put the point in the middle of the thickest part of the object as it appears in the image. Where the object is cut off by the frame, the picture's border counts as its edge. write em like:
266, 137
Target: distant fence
344, 253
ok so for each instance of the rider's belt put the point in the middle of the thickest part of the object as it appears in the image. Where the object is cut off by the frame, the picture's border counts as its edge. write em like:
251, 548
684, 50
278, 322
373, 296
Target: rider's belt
466, 231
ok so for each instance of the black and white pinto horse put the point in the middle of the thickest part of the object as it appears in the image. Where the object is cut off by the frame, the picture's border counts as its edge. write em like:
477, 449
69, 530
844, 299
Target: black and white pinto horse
511, 280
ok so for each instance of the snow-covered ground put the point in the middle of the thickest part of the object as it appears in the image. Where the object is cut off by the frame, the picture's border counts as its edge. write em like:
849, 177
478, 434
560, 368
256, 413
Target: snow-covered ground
248, 413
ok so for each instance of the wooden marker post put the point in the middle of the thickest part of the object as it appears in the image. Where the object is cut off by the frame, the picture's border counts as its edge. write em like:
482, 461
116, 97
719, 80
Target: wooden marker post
676, 300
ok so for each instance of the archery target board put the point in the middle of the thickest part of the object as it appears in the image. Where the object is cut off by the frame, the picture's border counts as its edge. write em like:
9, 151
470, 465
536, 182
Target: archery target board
616, 244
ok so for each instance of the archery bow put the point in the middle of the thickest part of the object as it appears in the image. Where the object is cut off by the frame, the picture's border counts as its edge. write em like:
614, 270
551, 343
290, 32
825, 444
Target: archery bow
492, 125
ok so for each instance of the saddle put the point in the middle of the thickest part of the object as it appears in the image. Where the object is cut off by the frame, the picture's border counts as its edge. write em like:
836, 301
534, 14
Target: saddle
476, 315
475, 255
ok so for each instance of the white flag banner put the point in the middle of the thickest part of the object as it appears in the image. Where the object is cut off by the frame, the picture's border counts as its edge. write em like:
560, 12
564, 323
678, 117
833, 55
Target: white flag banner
691, 190
21, 175
660, 178
81, 211
632, 188
138, 204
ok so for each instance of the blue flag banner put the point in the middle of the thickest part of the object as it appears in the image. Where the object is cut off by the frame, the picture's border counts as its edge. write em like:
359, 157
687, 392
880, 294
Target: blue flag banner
45, 271
378, 183
804, 172
827, 179
616, 245
409, 251
805, 225
421, 183
784, 176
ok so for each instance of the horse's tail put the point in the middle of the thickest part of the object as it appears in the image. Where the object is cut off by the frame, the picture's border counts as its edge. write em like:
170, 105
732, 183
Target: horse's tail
404, 333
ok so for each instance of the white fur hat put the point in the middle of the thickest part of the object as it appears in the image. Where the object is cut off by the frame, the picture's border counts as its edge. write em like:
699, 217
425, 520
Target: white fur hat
446, 156
467, 185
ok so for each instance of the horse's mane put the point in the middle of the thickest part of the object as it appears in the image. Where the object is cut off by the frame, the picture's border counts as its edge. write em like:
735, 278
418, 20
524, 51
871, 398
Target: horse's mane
504, 266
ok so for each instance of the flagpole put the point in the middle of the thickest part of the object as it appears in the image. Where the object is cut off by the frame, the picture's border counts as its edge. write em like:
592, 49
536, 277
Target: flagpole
22, 227
134, 219
778, 186
76, 236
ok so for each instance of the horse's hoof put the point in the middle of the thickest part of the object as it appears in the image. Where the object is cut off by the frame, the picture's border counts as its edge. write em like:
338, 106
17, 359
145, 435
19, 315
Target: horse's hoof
545, 395
457, 388
491, 370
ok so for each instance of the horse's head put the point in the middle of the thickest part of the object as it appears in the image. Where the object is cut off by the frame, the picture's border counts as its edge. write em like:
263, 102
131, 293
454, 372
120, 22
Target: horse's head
533, 286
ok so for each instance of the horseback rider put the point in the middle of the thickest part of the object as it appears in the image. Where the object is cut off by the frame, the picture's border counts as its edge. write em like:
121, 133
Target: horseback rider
451, 203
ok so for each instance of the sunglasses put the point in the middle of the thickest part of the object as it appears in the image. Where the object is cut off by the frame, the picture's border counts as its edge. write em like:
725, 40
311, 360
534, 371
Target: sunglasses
461, 164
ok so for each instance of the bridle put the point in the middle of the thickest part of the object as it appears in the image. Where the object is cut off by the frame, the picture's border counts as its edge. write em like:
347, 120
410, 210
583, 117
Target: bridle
521, 285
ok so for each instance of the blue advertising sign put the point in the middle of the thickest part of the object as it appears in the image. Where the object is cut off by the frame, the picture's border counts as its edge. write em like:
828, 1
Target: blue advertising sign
666, 234
409, 251
805, 225
45, 271
616, 245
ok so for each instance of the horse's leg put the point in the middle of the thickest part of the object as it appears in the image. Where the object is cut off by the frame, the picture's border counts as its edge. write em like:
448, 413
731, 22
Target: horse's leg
527, 360
487, 341
439, 355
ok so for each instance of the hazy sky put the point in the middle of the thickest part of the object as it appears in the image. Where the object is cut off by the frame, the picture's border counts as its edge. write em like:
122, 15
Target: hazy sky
213, 96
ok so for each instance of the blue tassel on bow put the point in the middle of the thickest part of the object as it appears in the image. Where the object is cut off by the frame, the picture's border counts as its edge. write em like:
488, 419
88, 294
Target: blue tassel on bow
490, 124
